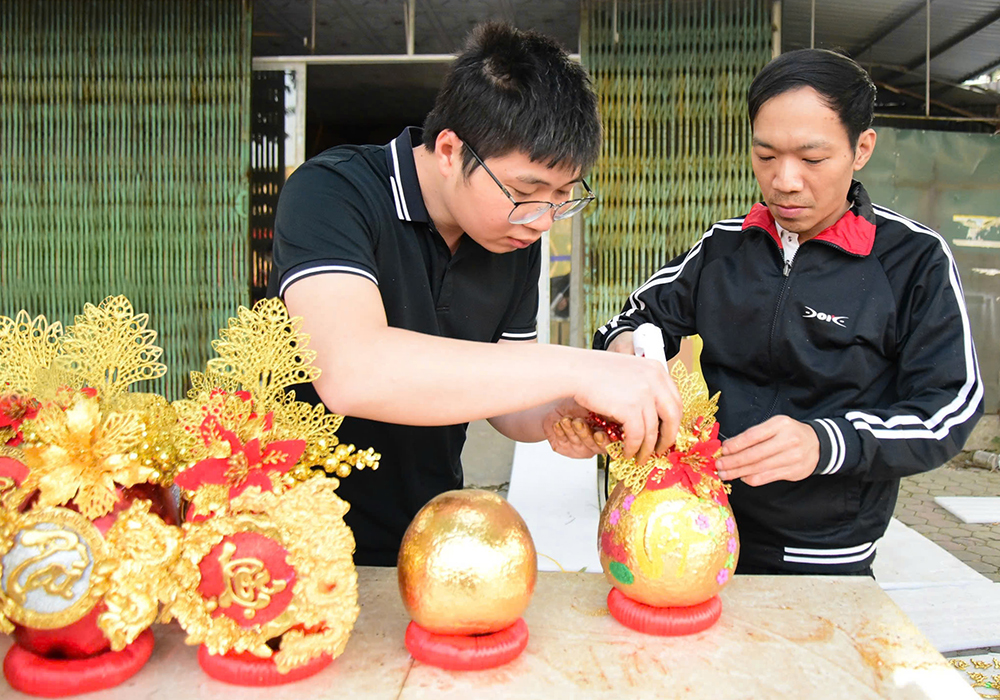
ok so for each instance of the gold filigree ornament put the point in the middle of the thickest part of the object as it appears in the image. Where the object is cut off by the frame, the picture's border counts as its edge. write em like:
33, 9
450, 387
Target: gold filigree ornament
242, 426
265, 551
274, 565
68, 412
667, 536
55, 566
696, 427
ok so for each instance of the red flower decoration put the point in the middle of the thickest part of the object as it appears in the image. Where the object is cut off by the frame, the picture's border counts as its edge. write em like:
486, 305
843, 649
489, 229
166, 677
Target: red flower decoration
687, 468
14, 410
247, 465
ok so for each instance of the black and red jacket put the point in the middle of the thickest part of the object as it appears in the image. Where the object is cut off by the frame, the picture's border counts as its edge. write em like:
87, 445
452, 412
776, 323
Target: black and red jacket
865, 338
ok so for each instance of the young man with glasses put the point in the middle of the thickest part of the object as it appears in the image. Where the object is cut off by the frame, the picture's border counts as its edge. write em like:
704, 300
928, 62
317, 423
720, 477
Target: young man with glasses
415, 266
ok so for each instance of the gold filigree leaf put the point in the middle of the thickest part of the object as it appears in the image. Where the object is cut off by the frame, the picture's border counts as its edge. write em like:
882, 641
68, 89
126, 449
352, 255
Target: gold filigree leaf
97, 497
109, 347
699, 410
265, 351
27, 345
204, 383
632, 473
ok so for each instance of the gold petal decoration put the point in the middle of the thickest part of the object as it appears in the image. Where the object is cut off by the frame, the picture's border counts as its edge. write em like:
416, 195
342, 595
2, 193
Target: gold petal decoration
27, 345
85, 451
110, 348
264, 350
696, 424
261, 353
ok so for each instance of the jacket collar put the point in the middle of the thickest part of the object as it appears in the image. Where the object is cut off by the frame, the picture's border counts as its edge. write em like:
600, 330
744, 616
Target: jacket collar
403, 176
853, 233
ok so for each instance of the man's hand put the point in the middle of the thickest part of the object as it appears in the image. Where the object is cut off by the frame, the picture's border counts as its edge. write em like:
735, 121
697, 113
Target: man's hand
638, 393
779, 449
622, 343
568, 434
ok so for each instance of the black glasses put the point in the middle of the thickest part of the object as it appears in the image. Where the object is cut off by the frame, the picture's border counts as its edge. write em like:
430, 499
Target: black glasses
526, 212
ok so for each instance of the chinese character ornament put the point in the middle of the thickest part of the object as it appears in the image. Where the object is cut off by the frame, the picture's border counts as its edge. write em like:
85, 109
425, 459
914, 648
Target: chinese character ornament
87, 529
265, 582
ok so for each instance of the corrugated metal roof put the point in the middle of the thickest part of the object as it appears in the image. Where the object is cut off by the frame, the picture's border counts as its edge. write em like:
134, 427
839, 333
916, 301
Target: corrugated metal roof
284, 27
887, 36
890, 36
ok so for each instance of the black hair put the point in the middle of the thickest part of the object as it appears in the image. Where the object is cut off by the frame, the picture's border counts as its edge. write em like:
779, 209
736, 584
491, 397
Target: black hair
512, 90
844, 85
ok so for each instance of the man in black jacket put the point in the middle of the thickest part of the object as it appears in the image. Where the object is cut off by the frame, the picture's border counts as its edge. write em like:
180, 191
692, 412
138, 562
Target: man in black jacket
835, 329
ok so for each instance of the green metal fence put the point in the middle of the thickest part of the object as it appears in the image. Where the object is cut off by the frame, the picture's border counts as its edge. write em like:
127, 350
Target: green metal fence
124, 151
672, 79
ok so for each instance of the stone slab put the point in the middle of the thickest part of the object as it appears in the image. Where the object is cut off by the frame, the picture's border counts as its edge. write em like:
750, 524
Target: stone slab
954, 618
778, 637
907, 559
972, 509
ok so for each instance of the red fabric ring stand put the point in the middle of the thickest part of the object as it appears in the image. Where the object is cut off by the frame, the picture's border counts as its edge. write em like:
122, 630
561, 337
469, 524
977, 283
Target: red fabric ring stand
244, 668
458, 652
34, 674
663, 622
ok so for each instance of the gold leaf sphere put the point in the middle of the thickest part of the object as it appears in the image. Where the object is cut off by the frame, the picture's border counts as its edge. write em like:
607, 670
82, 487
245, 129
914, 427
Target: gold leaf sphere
467, 564
667, 547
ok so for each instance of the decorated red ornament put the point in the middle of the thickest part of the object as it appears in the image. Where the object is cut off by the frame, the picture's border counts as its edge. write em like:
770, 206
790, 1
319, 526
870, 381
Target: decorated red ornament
667, 537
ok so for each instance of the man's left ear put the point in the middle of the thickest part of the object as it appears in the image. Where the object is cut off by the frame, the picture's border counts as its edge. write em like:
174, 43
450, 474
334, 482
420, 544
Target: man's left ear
864, 149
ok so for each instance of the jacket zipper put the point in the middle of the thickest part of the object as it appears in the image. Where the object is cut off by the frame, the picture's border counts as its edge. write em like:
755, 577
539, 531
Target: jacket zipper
786, 271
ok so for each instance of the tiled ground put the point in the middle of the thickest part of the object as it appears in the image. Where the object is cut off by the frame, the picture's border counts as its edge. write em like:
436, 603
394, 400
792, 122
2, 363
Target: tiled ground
976, 545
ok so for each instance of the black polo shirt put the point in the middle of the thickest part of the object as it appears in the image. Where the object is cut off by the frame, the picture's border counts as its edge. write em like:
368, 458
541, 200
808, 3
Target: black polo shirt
358, 210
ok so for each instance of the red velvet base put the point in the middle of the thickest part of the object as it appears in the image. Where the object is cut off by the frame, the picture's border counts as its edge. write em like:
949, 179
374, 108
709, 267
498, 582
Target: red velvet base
55, 678
458, 652
247, 669
664, 622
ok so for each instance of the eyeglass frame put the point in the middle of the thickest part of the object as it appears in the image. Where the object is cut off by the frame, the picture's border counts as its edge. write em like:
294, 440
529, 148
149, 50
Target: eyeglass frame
555, 217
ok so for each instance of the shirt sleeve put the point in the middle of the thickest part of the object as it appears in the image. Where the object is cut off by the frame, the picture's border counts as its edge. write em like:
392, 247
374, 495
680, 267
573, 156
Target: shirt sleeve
323, 224
523, 323
668, 300
938, 388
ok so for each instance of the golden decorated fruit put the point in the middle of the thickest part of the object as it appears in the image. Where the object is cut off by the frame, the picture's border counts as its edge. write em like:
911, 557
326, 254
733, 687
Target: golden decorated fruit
667, 547
467, 564
667, 536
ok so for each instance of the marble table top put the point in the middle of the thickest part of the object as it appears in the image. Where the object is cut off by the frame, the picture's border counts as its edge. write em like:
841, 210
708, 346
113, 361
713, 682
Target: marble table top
778, 637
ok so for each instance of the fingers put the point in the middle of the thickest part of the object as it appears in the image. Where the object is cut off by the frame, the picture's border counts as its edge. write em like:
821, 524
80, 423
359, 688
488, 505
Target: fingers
651, 423
778, 449
573, 438
634, 429
670, 410
752, 436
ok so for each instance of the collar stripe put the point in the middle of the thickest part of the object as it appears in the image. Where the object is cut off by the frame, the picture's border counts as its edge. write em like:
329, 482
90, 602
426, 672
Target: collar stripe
395, 163
395, 197
403, 178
